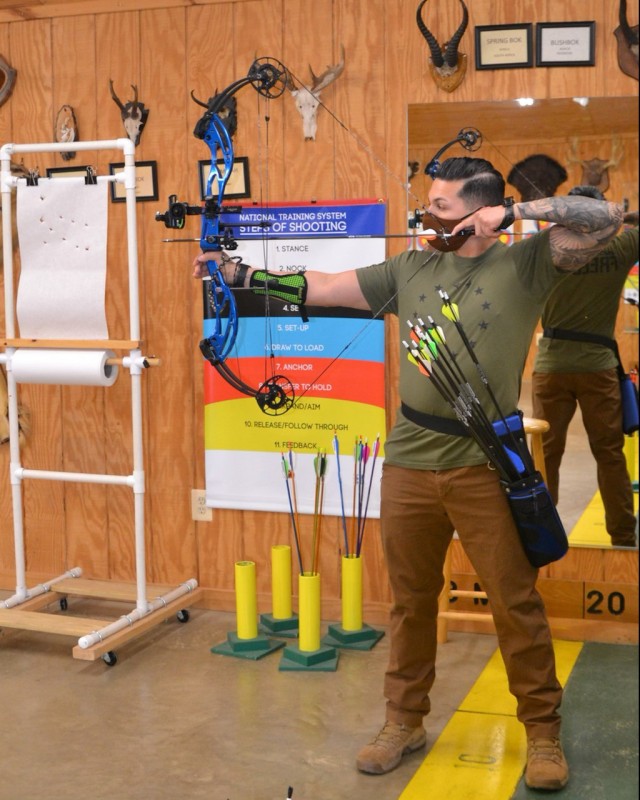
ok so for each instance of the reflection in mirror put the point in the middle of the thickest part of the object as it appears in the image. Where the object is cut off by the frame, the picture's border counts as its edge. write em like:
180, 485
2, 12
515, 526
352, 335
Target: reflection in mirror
577, 133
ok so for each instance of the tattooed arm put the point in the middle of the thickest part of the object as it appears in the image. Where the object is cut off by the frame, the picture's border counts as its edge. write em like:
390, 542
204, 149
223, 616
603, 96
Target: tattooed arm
583, 226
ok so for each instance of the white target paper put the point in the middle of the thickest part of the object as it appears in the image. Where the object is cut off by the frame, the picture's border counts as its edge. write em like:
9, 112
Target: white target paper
62, 233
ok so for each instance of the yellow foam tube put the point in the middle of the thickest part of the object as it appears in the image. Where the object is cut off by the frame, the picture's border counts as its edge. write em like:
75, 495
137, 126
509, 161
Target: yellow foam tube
281, 581
309, 612
352, 593
246, 600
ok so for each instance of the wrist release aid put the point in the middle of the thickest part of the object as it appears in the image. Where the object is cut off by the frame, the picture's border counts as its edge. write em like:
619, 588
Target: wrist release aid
292, 288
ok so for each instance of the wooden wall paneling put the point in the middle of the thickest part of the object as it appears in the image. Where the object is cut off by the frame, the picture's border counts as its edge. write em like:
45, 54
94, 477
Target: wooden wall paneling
579, 81
166, 294
45, 9
118, 43
210, 66
7, 554
259, 32
5, 108
83, 441
74, 55
310, 41
31, 104
359, 102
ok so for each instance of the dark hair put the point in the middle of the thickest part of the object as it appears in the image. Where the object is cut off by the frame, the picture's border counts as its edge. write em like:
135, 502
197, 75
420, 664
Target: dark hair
587, 191
484, 185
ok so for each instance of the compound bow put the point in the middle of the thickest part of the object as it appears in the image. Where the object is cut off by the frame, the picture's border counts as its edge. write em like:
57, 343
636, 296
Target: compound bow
269, 78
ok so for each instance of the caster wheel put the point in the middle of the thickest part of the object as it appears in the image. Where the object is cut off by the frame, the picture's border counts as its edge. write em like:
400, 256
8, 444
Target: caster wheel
64, 604
183, 615
110, 658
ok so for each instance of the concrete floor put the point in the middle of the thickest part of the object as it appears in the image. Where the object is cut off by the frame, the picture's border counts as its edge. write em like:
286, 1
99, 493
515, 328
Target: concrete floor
172, 720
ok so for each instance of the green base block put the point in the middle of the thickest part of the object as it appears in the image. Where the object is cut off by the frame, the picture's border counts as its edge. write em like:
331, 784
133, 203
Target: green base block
323, 660
280, 627
363, 639
247, 648
634, 486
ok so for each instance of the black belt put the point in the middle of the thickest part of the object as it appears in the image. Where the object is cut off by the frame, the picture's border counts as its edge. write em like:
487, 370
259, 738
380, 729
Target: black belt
593, 338
579, 336
452, 427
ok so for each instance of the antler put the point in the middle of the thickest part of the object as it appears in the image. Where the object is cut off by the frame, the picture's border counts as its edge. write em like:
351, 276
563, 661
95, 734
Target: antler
630, 35
436, 52
451, 53
572, 154
328, 76
115, 96
616, 153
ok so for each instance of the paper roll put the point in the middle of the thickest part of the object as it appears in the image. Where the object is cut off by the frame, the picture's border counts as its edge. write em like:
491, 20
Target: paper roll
64, 367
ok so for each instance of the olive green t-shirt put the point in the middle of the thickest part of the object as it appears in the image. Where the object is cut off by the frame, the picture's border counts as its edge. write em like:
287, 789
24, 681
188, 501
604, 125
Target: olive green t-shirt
587, 301
499, 295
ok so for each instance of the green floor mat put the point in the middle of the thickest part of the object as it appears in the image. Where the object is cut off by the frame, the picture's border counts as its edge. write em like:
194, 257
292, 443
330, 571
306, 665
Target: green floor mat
600, 726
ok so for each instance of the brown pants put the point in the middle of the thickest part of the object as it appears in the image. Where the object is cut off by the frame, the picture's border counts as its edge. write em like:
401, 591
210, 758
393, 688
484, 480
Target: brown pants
420, 510
555, 396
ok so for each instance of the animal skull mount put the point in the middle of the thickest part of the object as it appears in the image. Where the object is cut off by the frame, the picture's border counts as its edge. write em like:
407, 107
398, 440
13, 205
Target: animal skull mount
627, 41
447, 66
595, 171
134, 114
7, 80
307, 98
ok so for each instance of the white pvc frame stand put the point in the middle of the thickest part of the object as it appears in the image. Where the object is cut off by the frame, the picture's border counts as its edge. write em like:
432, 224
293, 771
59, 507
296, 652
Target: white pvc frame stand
19, 610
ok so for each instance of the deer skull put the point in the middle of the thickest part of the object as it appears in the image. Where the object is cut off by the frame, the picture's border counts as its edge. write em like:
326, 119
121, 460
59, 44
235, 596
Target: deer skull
447, 68
307, 98
134, 114
595, 171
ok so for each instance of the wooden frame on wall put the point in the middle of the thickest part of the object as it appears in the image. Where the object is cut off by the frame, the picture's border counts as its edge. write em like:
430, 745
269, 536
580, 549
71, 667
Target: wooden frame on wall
146, 182
238, 184
504, 46
565, 44
76, 171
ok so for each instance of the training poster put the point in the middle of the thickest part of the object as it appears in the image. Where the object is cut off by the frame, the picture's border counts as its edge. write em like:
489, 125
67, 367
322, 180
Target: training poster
334, 361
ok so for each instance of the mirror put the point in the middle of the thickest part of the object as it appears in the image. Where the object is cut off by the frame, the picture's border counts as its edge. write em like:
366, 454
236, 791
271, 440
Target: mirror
570, 130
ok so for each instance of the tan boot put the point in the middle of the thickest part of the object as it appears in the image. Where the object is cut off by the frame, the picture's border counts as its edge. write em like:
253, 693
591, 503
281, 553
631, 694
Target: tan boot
385, 751
546, 765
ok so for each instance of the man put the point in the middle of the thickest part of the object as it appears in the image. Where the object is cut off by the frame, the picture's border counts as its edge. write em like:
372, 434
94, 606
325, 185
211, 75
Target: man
434, 483
569, 371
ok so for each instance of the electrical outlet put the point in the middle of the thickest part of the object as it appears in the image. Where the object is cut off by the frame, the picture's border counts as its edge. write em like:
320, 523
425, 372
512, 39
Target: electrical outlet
199, 510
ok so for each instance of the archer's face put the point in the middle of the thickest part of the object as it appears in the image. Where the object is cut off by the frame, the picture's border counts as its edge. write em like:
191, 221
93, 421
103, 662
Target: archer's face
444, 201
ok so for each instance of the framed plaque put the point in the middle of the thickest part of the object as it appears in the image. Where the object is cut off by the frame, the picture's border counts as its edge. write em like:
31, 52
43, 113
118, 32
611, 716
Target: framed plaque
146, 182
238, 184
565, 44
504, 46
